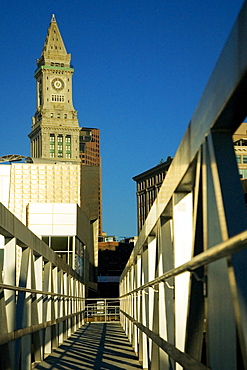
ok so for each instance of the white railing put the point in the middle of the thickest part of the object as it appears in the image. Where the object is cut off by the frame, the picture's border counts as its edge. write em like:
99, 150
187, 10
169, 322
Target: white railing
183, 292
41, 297
102, 310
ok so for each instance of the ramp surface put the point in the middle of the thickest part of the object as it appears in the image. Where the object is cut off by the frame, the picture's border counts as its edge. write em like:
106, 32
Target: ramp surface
97, 346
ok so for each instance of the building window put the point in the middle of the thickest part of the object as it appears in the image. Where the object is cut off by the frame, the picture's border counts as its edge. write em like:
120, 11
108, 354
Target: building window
238, 157
68, 146
243, 174
65, 115
52, 145
52, 115
57, 98
244, 158
60, 146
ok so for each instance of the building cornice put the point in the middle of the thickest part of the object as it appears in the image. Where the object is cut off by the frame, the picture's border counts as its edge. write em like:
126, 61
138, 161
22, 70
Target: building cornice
59, 129
46, 67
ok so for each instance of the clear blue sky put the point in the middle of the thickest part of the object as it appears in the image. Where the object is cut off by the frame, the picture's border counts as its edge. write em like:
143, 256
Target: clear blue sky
140, 69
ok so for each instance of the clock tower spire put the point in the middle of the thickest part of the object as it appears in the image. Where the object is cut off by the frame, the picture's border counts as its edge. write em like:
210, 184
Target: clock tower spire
55, 128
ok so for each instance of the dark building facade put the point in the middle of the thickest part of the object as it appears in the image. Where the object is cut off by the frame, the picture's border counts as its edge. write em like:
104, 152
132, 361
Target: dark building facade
89, 149
113, 257
148, 184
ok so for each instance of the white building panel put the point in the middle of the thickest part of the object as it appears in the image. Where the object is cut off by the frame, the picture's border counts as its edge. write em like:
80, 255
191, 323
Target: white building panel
40, 230
43, 220
63, 230
4, 184
64, 219
64, 208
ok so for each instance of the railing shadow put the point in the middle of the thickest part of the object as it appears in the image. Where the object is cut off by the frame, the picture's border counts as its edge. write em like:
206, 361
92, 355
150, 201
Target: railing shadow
94, 346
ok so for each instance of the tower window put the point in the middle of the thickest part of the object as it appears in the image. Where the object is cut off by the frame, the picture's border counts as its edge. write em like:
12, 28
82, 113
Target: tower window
57, 98
65, 115
52, 115
52, 145
60, 146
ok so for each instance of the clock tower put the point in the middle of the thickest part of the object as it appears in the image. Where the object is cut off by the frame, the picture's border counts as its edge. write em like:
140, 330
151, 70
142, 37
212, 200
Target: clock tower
55, 129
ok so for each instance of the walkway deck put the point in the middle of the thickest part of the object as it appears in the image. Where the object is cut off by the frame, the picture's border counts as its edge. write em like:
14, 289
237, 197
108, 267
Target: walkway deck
97, 346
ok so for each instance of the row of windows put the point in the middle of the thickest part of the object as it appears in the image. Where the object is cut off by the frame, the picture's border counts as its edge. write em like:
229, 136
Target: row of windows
56, 47
60, 140
151, 181
242, 174
58, 101
241, 158
65, 116
57, 98
60, 155
57, 64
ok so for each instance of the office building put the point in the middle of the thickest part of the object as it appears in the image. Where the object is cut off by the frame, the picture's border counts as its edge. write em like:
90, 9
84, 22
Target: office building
50, 193
240, 147
113, 256
148, 184
90, 158
55, 133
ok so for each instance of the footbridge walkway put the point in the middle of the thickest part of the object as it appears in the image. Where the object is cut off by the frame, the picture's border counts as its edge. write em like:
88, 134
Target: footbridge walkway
183, 293
94, 347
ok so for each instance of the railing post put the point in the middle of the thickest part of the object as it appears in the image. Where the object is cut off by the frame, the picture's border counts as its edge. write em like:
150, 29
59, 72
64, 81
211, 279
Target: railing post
9, 277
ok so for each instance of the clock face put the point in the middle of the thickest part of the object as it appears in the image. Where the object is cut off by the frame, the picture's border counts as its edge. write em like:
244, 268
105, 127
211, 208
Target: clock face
57, 84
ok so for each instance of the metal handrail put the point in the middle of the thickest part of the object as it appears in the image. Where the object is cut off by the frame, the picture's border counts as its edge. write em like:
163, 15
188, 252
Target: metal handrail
7, 337
100, 310
224, 249
35, 291
180, 357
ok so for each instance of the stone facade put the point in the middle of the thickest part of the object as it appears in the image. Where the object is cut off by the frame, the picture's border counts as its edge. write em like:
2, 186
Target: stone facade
55, 127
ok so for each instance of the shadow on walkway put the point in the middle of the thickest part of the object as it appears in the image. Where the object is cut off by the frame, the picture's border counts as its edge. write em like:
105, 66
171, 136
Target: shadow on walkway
102, 346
